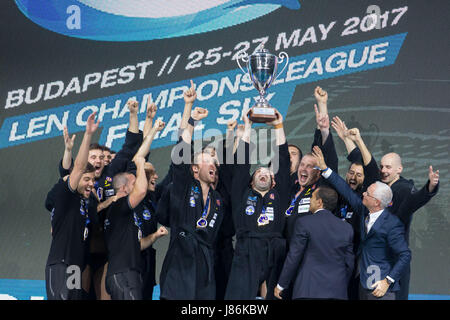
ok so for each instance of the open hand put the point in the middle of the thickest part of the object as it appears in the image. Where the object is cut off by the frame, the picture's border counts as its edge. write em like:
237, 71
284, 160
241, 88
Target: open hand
91, 125
68, 142
340, 127
433, 177
317, 153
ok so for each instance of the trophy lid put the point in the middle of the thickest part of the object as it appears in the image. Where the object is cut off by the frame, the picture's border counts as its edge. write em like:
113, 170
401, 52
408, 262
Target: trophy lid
261, 49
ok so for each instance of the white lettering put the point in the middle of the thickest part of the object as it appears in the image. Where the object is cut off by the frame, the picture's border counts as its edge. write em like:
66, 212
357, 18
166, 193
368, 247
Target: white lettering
15, 95
36, 123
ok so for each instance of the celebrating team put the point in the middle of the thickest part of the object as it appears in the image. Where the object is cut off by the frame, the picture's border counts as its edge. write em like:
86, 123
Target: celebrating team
300, 230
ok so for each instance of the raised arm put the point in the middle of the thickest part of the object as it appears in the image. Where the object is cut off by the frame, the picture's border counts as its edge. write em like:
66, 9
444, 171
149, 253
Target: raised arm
321, 99
323, 123
197, 115
282, 175
324, 139
338, 183
68, 146
342, 131
82, 156
355, 136
241, 166
280, 137
189, 97
149, 116
181, 152
230, 134
415, 200
144, 149
133, 140
133, 107
140, 186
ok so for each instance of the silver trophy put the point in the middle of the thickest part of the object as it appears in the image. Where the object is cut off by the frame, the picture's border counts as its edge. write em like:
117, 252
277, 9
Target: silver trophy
262, 69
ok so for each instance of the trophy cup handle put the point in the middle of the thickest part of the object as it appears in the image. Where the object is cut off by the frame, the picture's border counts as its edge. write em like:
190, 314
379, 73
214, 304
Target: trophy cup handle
244, 59
281, 57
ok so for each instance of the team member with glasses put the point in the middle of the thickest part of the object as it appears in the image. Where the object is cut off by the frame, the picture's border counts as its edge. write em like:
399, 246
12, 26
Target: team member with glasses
383, 255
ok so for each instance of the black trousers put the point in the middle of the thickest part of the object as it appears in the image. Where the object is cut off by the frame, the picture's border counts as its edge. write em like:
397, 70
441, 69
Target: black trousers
125, 285
148, 273
57, 285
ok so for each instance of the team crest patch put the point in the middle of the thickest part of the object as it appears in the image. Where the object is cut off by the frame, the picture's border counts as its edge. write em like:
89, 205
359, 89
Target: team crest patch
192, 202
146, 214
250, 210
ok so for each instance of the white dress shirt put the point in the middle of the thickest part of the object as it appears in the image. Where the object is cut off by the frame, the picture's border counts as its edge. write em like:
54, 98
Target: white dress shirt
373, 218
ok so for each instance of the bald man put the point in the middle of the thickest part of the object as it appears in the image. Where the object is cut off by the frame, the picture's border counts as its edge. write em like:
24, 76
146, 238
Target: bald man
406, 200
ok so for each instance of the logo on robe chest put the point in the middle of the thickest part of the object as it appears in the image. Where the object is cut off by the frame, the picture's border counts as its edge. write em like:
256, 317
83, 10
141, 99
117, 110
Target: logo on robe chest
108, 182
146, 214
249, 210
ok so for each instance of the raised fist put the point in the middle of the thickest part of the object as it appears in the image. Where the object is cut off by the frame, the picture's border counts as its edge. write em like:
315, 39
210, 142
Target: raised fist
320, 95
133, 106
199, 113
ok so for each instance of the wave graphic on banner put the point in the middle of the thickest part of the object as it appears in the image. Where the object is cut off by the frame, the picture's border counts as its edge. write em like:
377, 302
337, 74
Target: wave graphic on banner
140, 20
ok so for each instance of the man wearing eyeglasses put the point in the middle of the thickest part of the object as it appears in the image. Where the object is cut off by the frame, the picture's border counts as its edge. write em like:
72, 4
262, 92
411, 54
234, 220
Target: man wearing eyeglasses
383, 255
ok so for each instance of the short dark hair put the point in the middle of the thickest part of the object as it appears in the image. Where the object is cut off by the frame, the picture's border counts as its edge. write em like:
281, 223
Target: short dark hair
105, 148
299, 150
358, 163
328, 196
95, 146
89, 168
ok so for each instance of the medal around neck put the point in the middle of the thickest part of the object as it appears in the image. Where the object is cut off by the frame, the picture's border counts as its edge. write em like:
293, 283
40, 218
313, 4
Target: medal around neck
262, 69
201, 223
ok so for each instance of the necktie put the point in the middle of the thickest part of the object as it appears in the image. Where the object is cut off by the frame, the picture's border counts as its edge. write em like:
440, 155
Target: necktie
366, 223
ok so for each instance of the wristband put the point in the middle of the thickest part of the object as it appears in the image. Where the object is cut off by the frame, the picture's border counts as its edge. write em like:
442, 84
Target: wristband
317, 168
191, 121
278, 126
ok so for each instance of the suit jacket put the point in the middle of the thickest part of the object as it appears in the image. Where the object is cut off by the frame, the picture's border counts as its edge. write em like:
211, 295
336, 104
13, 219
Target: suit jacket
384, 250
320, 257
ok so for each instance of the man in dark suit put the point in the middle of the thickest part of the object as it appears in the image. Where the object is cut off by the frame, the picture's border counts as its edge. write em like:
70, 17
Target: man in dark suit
321, 252
383, 255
